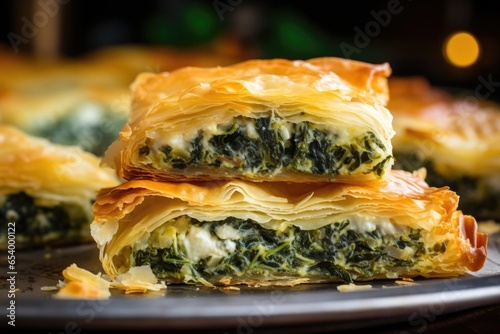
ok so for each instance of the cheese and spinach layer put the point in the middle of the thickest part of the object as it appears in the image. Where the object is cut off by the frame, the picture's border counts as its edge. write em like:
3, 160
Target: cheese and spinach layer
269, 145
38, 222
91, 127
187, 248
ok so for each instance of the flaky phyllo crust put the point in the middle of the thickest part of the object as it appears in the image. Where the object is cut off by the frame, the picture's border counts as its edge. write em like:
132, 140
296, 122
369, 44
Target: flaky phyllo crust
196, 124
36, 174
446, 129
44, 169
128, 215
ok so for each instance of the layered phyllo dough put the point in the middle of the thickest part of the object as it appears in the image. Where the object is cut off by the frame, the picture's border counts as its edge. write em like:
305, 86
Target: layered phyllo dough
318, 120
231, 232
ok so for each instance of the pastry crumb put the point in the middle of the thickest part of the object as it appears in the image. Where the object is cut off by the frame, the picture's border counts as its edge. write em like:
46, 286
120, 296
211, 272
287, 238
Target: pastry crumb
405, 282
82, 284
230, 289
353, 287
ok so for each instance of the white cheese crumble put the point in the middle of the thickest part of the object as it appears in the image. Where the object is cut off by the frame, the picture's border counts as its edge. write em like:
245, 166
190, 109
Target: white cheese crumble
230, 245
179, 142
251, 131
200, 244
286, 130
227, 232
364, 224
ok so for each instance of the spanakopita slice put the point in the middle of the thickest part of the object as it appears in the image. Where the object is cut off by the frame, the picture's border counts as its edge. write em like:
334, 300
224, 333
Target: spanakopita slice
230, 232
323, 119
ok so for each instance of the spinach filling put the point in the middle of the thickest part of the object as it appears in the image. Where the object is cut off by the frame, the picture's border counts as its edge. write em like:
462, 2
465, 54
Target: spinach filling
268, 145
477, 196
332, 251
36, 224
92, 133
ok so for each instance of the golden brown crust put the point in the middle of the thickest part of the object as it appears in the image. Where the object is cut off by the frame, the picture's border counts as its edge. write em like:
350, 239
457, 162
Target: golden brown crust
369, 77
444, 128
38, 166
214, 173
476, 249
352, 79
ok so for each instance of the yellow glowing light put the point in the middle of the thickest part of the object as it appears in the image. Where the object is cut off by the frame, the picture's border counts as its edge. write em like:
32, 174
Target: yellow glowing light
461, 49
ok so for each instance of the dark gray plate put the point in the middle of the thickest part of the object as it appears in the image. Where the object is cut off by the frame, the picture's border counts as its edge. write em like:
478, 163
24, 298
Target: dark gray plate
183, 307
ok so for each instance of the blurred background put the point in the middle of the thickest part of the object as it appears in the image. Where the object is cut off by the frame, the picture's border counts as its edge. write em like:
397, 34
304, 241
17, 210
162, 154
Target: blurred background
415, 37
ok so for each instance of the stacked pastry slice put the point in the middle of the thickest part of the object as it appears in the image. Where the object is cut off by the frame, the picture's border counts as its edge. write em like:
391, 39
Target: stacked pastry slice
273, 172
260, 120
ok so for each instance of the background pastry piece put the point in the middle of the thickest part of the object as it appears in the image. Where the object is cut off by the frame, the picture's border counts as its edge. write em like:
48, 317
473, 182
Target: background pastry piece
280, 233
455, 138
47, 190
84, 101
259, 120
68, 103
